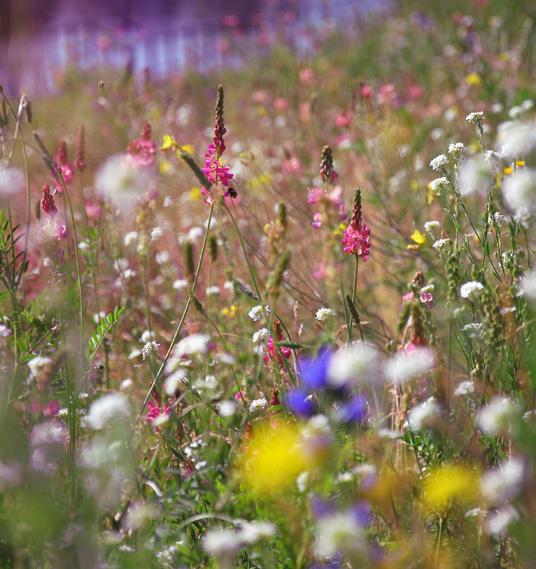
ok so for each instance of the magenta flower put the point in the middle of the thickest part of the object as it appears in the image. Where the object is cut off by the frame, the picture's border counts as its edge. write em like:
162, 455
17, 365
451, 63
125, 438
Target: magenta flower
48, 203
357, 240
143, 149
63, 163
155, 413
213, 170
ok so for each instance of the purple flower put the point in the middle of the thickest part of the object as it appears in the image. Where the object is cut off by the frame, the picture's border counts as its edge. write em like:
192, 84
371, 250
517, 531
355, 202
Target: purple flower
314, 371
353, 411
362, 512
299, 403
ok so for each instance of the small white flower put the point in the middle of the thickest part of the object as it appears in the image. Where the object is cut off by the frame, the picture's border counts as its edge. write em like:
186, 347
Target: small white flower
475, 176
227, 408
260, 335
110, 408
473, 330
130, 237
406, 365
527, 285
497, 416
149, 348
475, 117
179, 284
422, 414
121, 182
156, 233
258, 312
174, 381
212, 291
440, 244
195, 233
252, 532
37, 364
456, 148
258, 404
502, 484
431, 226
222, 544
471, 289
322, 314
464, 388
338, 532
439, 162
194, 344
519, 191
438, 185
498, 522
359, 363
84, 246
516, 139
162, 257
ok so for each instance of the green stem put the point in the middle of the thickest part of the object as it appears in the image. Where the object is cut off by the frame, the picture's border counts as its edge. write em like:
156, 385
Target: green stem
184, 314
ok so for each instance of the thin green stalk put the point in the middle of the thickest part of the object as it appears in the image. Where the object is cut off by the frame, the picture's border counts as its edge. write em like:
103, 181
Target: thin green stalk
184, 314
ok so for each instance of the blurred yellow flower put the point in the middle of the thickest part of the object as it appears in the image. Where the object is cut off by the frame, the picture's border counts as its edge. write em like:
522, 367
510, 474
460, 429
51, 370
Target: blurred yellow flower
448, 484
339, 230
230, 311
473, 79
195, 194
508, 170
272, 459
418, 237
520, 163
168, 142
165, 167
186, 148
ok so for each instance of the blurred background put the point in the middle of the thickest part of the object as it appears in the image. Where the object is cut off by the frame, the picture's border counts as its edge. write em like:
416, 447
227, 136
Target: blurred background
40, 38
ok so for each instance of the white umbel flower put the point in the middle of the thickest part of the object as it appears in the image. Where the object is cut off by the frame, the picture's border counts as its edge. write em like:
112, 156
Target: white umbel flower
475, 117
471, 289
422, 414
440, 161
358, 363
322, 314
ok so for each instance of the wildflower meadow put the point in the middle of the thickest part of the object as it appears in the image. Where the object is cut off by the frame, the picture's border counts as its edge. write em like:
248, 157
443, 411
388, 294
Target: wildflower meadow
278, 314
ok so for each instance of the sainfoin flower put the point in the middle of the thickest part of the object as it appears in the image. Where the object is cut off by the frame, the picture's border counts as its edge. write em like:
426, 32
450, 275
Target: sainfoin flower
63, 163
356, 238
143, 149
48, 203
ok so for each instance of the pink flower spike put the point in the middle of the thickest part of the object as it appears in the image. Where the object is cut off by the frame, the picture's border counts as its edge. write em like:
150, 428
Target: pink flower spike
357, 241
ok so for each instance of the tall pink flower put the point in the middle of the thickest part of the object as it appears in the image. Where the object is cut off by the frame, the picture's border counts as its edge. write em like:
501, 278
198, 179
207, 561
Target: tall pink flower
63, 163
48, 203
143, 149
356, 238
214, 170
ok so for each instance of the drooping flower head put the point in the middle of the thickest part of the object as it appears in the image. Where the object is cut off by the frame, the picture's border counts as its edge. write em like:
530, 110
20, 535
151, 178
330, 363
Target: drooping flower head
356, 238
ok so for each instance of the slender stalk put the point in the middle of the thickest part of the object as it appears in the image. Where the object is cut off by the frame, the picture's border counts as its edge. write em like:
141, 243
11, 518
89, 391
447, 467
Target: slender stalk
184, 314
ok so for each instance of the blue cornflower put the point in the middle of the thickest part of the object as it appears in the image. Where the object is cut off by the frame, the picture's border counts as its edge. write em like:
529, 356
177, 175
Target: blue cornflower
299, 402
314, 371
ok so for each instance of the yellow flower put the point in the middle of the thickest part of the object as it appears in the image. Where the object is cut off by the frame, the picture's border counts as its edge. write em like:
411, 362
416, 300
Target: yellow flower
520, 163
272, 459
168, 142
508, 170
473, 79
195, 194
430, 195
448, 484
165, 167
186, 148
414, 185
418, 237
231, 311
339, 230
